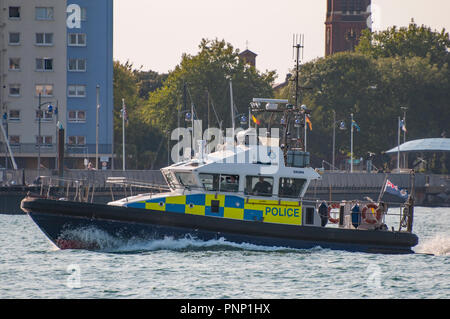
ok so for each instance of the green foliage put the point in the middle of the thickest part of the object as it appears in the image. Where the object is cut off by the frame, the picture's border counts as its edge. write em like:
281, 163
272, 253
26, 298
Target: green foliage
131, 86
391, 69
344, 83
209, 71
413, 41
399, 67
153, 100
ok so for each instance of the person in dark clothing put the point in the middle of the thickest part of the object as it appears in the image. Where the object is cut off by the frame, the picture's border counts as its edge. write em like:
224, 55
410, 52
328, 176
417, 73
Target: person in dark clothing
323, 213
262, 187
37, 181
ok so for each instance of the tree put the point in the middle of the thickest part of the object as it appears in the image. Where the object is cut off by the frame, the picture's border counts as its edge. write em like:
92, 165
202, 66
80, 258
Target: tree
207, 73
148, 81
128, 85
414, 63
413, 41
374, 90
344, 83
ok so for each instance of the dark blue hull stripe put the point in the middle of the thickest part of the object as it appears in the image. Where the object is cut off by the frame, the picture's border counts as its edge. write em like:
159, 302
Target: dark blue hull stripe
57, 219
58, 227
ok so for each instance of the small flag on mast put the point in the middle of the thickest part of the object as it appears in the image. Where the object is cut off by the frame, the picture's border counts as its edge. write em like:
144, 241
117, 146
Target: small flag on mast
308, 120
395, 190
403, 126
255, 120
354, 124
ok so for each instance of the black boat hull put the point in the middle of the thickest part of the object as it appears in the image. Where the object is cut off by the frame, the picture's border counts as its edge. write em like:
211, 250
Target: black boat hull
66, 224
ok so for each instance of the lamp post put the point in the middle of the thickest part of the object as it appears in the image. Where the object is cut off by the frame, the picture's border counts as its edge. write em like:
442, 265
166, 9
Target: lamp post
50, 109
124, 114
96, 127
187, 118
398, 144
5, 121
404, 108
351, 144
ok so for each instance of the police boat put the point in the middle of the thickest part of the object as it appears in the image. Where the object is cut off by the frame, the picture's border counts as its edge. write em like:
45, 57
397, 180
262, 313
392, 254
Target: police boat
249, 190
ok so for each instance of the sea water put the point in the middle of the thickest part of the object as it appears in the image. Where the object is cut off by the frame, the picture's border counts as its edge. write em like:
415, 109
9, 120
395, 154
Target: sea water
32, 267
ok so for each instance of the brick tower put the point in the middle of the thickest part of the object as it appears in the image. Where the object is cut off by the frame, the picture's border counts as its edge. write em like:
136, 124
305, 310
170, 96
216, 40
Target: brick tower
345, 21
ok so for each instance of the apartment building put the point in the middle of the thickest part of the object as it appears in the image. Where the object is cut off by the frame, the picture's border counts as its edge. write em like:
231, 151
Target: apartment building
53, 56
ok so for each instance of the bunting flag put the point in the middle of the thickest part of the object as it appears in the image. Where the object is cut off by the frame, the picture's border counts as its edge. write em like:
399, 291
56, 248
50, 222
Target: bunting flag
403, 126
255, 120
395, 190
308, 120
354, 124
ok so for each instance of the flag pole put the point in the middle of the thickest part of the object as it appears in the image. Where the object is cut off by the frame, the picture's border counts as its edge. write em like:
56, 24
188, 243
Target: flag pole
306, 130
398, 147
123, 134
383, 188
96, 126
351, 145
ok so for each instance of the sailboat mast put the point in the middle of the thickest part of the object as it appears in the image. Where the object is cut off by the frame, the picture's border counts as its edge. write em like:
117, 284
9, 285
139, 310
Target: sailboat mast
232, 108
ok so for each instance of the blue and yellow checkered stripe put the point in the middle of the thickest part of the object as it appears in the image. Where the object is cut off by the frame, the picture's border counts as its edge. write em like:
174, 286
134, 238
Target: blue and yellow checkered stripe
227, 206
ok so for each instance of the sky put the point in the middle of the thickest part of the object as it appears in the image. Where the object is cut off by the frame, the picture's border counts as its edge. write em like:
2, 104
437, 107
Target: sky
155, 34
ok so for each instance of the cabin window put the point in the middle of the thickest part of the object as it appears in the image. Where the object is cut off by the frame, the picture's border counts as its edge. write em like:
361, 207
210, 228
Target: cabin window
186, 179
229, 183
290, 187
259, 185
169, 179
309, 215
220, 182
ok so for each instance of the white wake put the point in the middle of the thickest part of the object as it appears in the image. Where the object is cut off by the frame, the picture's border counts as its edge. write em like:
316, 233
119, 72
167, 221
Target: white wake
439, 245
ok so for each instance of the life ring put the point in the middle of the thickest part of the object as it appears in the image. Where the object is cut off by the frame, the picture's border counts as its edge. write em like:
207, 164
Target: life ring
330, 207
372, 214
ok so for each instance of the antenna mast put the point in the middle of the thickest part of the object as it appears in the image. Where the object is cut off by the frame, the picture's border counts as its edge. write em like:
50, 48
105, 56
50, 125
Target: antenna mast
298, 45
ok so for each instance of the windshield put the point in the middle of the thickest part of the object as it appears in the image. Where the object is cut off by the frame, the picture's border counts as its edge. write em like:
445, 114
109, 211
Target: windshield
169, 179
186, 179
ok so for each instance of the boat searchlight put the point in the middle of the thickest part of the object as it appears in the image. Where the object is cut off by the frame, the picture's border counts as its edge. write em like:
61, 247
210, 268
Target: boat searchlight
271, 104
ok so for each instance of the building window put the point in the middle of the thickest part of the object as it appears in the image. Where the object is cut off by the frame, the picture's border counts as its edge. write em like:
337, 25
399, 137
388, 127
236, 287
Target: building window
14, 38
77, 116
44, 39
77, 90
14, 115
77, 140
14, 12
344, 6
46, 90
44, 115
14, 64
359, 7
44, 140
14, 90
44, 13
14, 140
352, 5
77, 39
77, 65
44, 64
